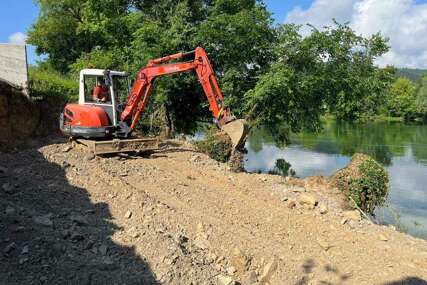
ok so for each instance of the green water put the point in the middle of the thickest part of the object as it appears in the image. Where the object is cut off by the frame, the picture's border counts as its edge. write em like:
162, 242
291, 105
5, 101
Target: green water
401, 148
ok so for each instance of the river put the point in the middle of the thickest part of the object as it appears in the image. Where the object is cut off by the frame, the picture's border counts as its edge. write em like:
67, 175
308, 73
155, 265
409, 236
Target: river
401, 148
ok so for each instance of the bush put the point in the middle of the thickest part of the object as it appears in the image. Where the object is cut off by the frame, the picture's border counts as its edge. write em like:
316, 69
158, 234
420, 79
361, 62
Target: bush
363, 181
45, 84
217, 145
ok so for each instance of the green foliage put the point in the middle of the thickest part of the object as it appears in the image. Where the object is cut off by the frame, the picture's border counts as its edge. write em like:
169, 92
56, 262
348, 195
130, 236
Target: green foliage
421, 100
364, 182
282, 168
270, 74
329, 70
412, 74
46, 83
217, 145
401, 98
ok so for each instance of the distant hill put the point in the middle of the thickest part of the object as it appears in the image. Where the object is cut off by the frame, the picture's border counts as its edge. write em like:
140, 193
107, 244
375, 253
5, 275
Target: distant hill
411, 73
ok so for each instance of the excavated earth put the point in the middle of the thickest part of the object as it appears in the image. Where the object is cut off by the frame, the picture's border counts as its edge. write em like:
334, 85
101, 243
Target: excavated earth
177, 217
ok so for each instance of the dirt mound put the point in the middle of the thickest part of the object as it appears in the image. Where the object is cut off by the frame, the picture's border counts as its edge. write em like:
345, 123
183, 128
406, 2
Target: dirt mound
364, 181
19, 117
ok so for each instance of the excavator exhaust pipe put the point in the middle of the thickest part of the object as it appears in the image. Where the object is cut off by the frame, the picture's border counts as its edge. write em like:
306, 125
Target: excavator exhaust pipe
238, 131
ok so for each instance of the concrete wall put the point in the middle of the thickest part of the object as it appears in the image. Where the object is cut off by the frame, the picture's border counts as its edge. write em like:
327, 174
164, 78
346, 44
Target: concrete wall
13, 65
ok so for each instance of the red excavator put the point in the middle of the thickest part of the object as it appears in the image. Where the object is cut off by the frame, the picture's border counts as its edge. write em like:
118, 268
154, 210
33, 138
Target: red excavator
100, 116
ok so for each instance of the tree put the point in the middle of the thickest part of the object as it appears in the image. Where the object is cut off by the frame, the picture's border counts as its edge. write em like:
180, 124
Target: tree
66, 29
329, 70
421, 97
401, 99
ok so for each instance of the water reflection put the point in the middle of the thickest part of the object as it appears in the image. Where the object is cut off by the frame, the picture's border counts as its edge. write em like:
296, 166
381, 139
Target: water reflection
401, 148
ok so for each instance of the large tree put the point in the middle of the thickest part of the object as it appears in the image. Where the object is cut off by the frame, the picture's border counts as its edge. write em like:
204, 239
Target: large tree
328, 70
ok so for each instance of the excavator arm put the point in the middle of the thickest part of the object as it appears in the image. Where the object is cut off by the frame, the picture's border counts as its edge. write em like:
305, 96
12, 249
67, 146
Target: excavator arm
143, 86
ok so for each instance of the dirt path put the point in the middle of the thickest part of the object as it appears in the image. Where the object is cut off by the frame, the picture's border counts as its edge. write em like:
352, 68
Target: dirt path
177, 217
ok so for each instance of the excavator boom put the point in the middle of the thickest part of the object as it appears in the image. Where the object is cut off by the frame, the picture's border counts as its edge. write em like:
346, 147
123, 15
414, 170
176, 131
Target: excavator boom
143, 87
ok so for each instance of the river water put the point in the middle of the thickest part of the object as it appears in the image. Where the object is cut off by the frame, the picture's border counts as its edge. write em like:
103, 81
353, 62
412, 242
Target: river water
401, 148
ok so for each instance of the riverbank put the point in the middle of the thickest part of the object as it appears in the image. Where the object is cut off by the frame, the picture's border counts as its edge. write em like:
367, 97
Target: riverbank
178, 217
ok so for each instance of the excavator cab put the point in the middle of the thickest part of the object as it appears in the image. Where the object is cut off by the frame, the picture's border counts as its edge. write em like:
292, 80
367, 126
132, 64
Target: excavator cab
102, 97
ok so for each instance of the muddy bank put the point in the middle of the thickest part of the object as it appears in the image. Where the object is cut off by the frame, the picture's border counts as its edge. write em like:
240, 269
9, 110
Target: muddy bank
179, 217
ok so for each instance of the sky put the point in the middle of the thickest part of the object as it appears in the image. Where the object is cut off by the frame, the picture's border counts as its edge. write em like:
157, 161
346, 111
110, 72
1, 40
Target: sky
404, 22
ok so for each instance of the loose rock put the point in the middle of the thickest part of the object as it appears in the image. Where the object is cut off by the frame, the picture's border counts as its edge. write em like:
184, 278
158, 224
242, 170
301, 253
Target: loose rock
8, 188
67, 148
352, 215
128, 214
307, 200
10, 211
323, 209
11, 246
79, 220
44, 220
225, 280
268, 271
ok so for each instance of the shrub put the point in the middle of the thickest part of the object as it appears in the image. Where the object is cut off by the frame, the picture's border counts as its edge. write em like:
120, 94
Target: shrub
363, 181
217, 145
45, 84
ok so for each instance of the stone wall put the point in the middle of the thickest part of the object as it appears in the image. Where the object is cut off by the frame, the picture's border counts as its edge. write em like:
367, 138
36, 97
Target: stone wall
13, 65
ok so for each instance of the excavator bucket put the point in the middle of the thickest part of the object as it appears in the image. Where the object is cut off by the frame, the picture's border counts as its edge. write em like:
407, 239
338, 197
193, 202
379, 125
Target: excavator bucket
238, 131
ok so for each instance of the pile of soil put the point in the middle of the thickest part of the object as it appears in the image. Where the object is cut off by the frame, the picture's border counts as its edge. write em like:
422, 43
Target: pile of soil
178, 217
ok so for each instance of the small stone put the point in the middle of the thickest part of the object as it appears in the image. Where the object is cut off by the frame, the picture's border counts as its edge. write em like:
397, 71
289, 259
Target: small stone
11, 246
383, 237
323, 209
323, 244
307, 200
352, 215
67, 148
10, 211
263, 179
25, 249
90, 157
225, 280
240, 260
284, 199
128, 214
133, 232
79, 220
195, 158
202, 244
103, 249
268, 271
250, 278
44, 220
22, 260
231, 270
65, 234
76, 236
3, 169
8, 188
292, 204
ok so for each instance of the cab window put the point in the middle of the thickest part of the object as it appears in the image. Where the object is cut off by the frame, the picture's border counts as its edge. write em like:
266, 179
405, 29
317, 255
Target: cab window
96, 90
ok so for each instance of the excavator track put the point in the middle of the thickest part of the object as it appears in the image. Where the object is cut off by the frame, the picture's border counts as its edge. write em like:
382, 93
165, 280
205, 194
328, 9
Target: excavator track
119, 145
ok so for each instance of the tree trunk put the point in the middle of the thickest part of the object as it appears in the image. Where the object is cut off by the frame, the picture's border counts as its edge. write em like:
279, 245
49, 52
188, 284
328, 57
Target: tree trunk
169, 123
